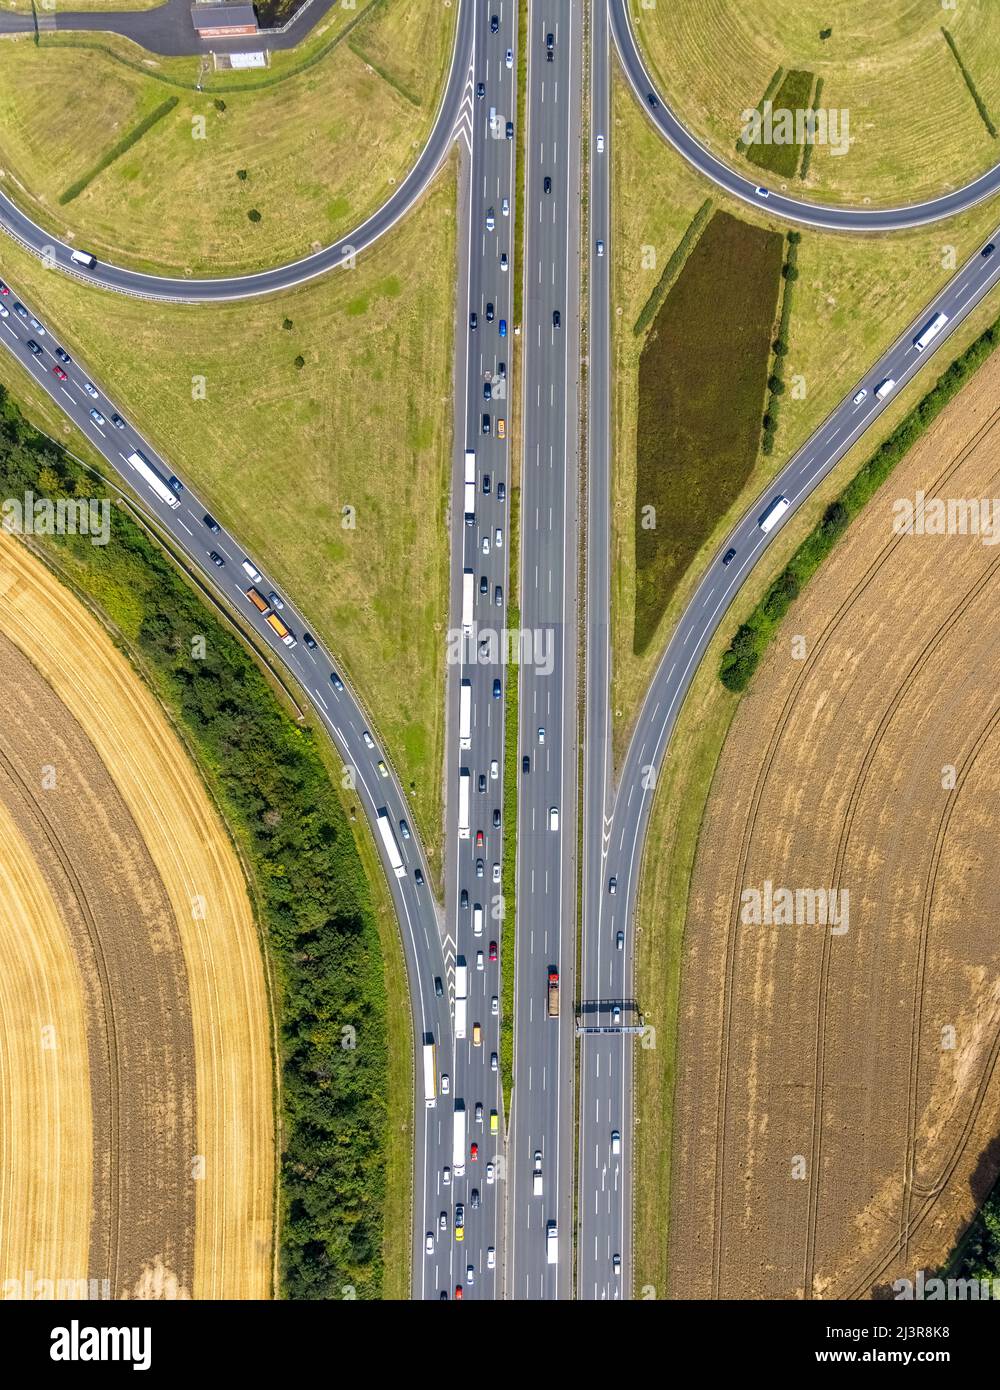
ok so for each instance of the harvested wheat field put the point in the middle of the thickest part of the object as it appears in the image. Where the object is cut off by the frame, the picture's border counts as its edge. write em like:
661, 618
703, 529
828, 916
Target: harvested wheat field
136, 1112
838, 1098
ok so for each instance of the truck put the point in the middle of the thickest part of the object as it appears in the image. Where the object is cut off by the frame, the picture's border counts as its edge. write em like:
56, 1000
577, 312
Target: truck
465, 715
458, 1144
930, 331
430, 1072
773, 513
461, 978
470, 487
552, 1243
883, 388
149, 475
536, 1175
468, 599
464, 779
389, 841
258, 600
461, 1017
553, 992
284, 632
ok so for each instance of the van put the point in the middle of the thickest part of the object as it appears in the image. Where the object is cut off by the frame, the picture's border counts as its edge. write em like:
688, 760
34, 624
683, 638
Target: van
83, 258
477, 920
252, 573
493, 117
882, 390
553, 817
494, 1122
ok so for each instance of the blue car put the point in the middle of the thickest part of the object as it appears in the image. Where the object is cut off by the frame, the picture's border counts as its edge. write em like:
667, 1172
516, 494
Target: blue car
503, 328
496, 689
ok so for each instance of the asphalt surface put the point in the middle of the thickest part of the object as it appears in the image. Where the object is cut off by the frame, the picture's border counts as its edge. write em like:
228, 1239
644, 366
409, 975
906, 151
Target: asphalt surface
603, 1178
778, 204
547, 858
626, 829
338, 710
56, 253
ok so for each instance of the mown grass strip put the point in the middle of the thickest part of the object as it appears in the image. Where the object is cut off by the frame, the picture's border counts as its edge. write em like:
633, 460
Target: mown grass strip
673, 268
752, 637
783, 158
119, 148
807, 153
777, 77
970, 83
268, 777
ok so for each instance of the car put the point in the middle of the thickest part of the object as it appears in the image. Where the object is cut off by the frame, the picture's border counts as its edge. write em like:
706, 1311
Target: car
216, 559
503, 328
91, 390
494, 769
20, 310
496, 872
600, 248
479, 966
503, 260
487, 391
651, 98
489, 311
496, 688
383, 771
491, 1257
494, 1062
494, 23
445, 1083
498, 596
335, 681
616, 1263
58, 371
546, 184
118, 422
33, 347
762, 192
498, 534
470, 1274
480, 868
368, 740
473, 321
496, 817
479, 1112
464, 899
484, 585
556, 318
438, 986
4, 312
620, 941
212, 524
174, 484
490, 224
474, 1153
987, 251
486, 423
525, 764
553, 817
64, 357
550, 42
474, 1202
482, 781
509, 58
97, 417
309, 640
443, 1221
612, 885
429, 1243
616, 1013
480, 90
490, 1174
541, 734
446, 1178
458, 1291
859, 396
494, 1121
729, 556
616, 1142
418, 878
600, 144
486, 545
36, 326
494, 1006
486, 485
253, 573
501, 427
505, 207
510, 130
3, 288
404, 830
479, 839
493, 950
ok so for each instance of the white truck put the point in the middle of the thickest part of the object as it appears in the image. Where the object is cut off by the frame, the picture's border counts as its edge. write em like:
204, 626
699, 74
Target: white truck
465, 715
458, 1144
536, 1175
470, 487
773, 513
464, 780
389, 841
430, 1074
461, 978
552, 1243
461, 1017
468, 599
149, 475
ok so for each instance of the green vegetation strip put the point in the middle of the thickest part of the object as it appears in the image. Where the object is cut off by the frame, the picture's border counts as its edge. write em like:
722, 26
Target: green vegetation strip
119, 148
783, 158
751, 639
970, 83
807, 153
776, 381
510, 772
673, 268
268, 777
977, 1255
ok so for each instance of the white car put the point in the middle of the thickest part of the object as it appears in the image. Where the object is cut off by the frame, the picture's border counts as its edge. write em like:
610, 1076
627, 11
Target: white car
4, 312
491, 1258
446, 1175
861, 395
255, 575
470, 1274
37, 327
509, 58
541, 735
490, 223
369, 741
616, 1013
600, 248
490, 1174
503, 260
429, 1243
445, 1083
496, 873
616, 1263
494, 1006
616, 1142
486, 545
553, 817
600, 144
762, 192
479, 961
383, 771
498, 539
494, 769
505, 208
90, 390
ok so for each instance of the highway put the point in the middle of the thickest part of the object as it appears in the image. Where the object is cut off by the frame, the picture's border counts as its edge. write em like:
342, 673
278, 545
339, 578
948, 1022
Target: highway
547, 803
312, 670
626, 828
842, 219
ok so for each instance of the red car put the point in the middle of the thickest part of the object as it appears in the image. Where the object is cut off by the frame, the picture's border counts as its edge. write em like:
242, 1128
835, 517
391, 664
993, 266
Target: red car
479, 839
3, 288
458, 1291
493, 950
474, 1152
58, 371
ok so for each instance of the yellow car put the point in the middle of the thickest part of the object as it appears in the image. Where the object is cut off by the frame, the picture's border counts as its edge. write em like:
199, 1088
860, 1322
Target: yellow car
501, 428
493, 1122
477, 1035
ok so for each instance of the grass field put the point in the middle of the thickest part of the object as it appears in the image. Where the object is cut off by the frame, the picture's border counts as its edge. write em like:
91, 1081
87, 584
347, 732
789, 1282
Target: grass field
914, 127
321, 147
852, 297
783, 159
702, 379
280, 452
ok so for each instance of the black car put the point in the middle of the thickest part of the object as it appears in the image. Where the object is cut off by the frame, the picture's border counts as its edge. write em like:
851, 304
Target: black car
484, 584
474, 1198
473, 320
510, 130
486, 424
489, 311
480, 89
525, 763
418, 878
118, 422
652, 100
502, 370
486, 485
482, 781
309, 640
438, 986
212, 524
63, 356
496, 817
335, 681
33, 347
556, 318
465, 898
987, 251
20, 310
501, 492
494, 23
175, 485
498, 596
487, 391
729, 556
550, 43
216, 558
546, 184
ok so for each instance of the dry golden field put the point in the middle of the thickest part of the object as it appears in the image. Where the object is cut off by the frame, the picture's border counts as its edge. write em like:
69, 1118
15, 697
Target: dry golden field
838, 1097
132, 942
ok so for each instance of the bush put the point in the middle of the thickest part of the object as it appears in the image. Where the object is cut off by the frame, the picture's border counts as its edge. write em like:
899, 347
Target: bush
241, 174
253, 215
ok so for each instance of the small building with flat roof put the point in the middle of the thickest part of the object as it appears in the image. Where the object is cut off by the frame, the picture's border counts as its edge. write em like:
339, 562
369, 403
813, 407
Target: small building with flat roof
224, 21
